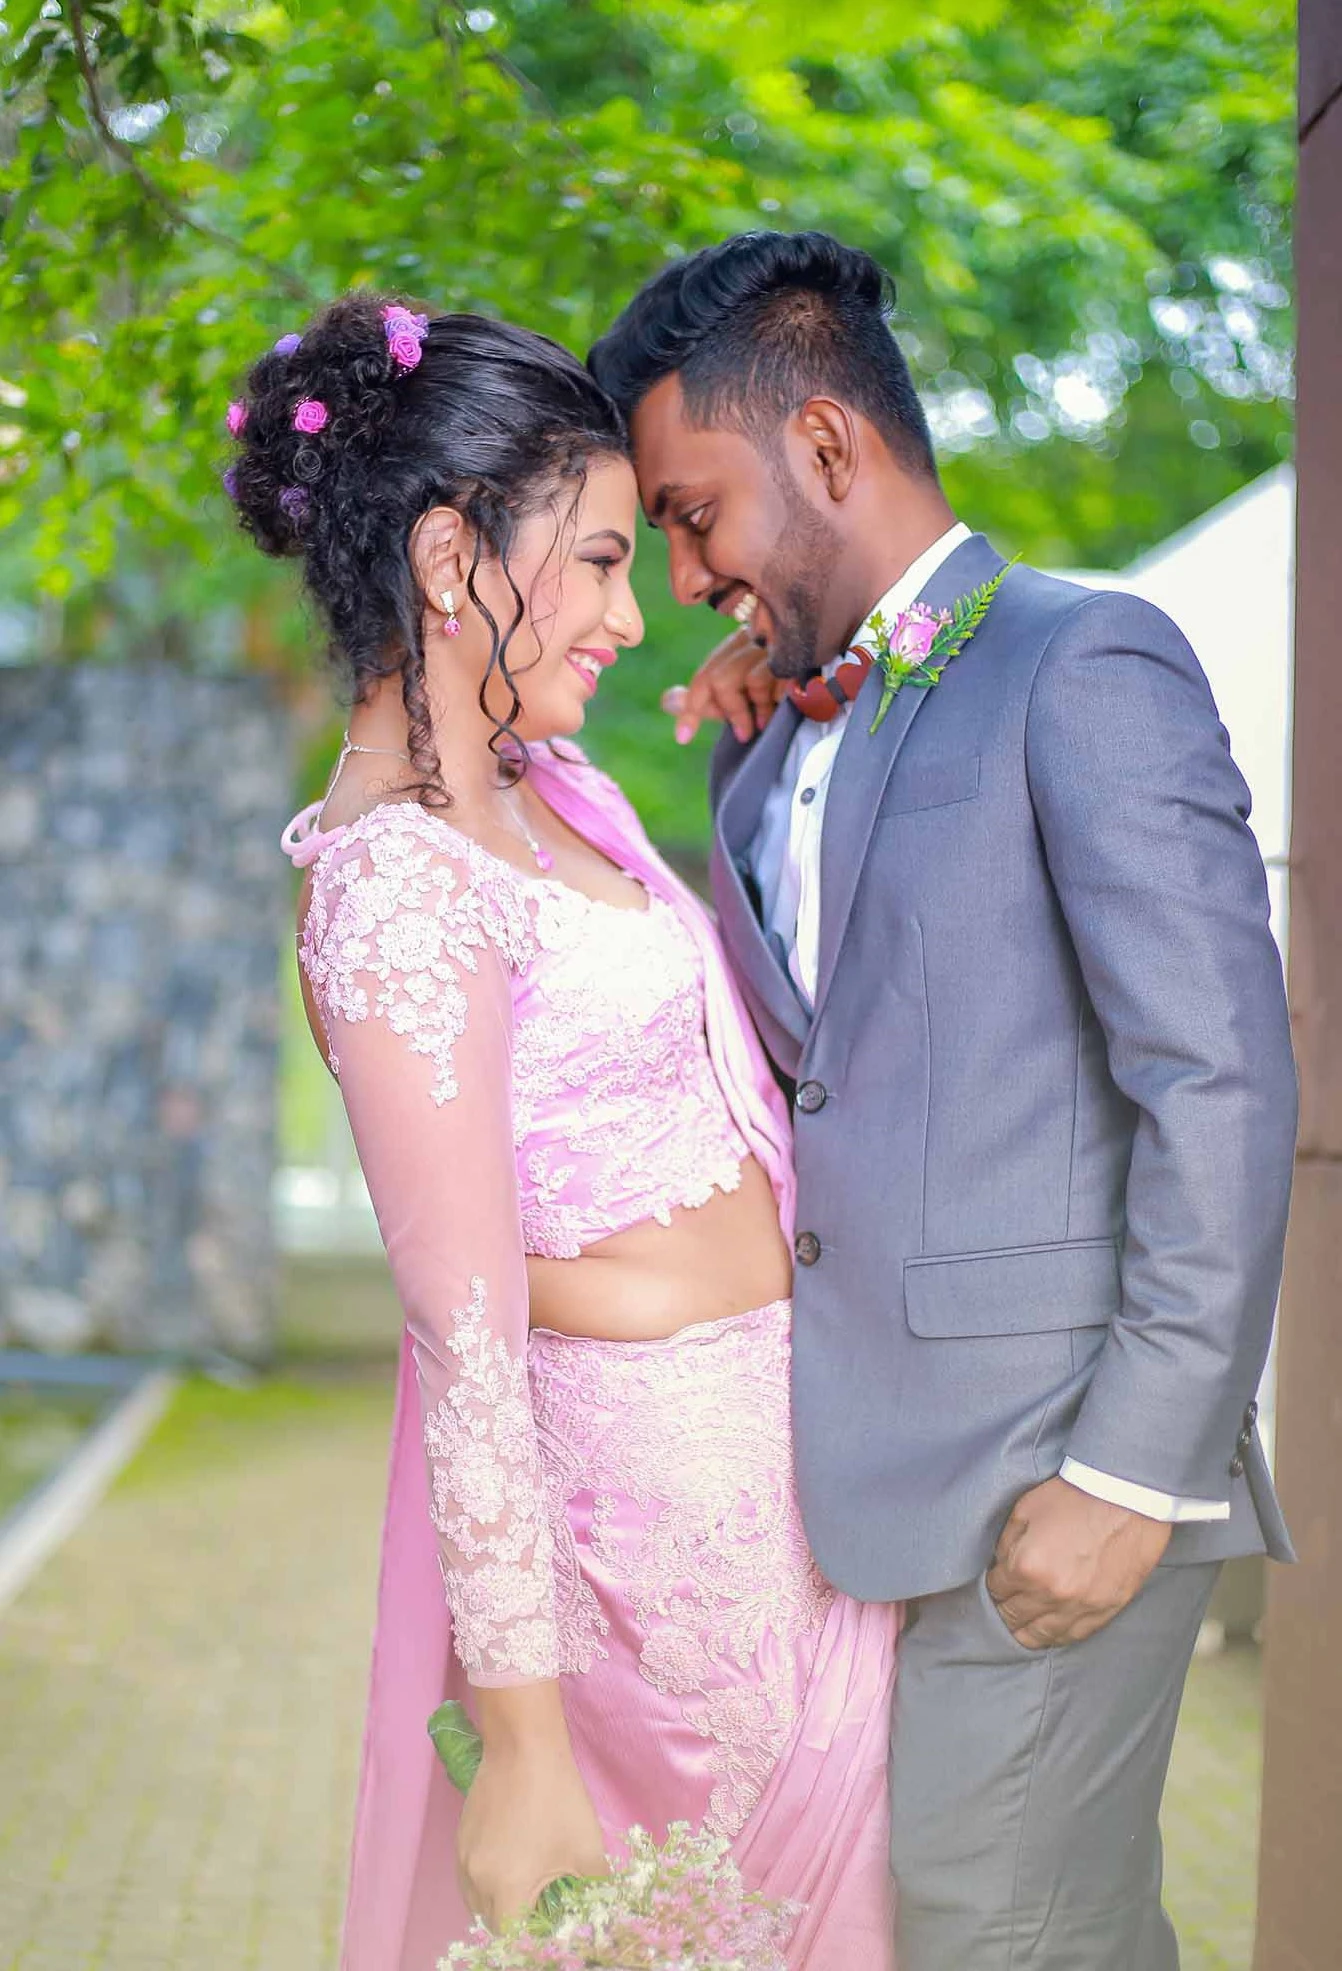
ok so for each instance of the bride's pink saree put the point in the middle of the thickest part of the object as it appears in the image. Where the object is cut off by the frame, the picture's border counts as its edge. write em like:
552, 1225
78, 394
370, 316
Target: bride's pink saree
711, 1675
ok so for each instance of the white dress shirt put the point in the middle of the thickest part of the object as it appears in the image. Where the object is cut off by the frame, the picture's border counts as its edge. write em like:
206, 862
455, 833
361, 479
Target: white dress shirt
785, 853
784, 859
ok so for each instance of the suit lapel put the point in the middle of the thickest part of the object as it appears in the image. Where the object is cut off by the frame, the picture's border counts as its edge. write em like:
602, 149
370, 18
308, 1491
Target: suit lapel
865, 762
742, 800
735, 823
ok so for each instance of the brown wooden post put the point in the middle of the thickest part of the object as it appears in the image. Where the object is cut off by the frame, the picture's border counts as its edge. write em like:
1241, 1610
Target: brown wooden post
1300, 1894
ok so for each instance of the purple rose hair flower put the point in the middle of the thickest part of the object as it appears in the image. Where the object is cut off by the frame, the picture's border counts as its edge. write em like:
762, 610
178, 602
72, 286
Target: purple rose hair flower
311, 415
230, 482
402, 317
237, 418
287, 344
294, 502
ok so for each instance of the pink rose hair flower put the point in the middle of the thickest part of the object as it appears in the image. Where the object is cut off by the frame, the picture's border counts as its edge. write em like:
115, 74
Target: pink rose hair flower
405, 350
237, 418
311, 415
405, 332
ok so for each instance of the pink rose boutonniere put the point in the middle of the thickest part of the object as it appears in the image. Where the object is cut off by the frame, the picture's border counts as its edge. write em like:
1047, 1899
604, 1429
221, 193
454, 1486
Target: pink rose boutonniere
918, 645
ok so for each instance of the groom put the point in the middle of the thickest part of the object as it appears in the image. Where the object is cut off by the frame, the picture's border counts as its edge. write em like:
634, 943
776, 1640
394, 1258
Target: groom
1010, 949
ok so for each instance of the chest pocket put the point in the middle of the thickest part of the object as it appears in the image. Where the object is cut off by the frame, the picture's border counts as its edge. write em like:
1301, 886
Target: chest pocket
930, 784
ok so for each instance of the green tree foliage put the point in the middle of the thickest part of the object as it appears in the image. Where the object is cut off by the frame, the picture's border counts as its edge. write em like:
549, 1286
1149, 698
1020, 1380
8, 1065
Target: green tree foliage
1083, 202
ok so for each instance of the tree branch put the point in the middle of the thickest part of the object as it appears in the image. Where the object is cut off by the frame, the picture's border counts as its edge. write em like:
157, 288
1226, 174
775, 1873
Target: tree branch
121, 150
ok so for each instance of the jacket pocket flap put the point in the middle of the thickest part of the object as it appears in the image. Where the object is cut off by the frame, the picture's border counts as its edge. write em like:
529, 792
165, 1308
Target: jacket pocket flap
1017, 1291
931, 784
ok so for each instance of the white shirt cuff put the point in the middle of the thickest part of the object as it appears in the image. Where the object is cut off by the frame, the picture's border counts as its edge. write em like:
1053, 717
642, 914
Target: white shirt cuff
1164, 1506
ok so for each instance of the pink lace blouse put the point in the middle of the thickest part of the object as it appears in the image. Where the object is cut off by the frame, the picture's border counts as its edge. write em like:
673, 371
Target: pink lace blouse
526, 1070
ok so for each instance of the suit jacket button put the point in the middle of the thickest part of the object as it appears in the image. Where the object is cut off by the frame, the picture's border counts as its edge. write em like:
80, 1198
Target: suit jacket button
807, 1248
1251, 1416
1237, 1466
812, 1095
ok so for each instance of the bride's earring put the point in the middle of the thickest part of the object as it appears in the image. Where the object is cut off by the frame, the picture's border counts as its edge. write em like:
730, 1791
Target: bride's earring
451, 620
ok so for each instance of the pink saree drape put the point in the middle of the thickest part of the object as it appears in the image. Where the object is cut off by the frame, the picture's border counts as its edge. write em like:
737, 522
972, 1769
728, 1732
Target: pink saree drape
710, 1674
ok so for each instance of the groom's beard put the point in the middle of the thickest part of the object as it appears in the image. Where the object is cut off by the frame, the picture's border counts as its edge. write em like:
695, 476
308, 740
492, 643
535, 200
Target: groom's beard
800, 567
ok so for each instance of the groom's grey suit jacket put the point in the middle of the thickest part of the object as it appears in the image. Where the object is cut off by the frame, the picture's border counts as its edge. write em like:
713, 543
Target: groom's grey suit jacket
1046, 1103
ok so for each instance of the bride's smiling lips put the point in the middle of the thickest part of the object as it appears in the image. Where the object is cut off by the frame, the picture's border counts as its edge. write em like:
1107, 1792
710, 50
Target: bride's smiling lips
590, 662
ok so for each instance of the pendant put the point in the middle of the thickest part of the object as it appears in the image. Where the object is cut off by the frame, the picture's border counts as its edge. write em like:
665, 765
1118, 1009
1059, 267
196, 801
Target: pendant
544, 860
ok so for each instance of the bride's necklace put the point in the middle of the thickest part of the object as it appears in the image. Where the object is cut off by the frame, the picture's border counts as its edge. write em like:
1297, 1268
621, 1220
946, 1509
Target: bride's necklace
348, 746
544, 860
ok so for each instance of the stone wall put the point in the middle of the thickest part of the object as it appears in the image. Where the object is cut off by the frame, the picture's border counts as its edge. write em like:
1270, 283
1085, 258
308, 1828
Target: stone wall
143, 905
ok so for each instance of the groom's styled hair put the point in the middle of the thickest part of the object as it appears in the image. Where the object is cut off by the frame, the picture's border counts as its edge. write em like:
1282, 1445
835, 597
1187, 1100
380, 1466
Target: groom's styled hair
755, 326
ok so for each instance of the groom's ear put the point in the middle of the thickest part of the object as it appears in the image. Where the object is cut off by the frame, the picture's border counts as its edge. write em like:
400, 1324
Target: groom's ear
825, 434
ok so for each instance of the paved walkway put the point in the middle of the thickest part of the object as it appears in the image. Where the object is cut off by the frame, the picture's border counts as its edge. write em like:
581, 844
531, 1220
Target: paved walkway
181, 1694
182, 1689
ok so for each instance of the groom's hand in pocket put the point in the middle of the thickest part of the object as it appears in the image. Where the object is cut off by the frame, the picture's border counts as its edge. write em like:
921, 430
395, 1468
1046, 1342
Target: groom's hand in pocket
1066, 1564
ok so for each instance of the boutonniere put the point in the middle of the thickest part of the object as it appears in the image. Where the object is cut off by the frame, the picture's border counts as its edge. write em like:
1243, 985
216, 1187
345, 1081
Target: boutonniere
918, 645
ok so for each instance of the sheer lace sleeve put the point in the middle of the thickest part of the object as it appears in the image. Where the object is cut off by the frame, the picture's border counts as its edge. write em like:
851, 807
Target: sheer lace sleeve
408, 948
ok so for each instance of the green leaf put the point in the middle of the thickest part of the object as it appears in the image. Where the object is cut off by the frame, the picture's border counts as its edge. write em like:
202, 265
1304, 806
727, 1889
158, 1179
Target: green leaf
20, 15
552, 1903
457, 1744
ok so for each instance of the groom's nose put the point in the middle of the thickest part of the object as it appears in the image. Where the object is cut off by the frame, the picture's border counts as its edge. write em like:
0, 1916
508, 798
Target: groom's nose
691, 580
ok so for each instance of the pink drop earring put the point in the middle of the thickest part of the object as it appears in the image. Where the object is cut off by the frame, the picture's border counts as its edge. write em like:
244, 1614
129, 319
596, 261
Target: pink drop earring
451, 620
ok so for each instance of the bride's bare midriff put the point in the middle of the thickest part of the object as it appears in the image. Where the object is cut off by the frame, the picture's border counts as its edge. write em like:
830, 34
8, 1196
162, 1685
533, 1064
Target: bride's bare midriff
711, 1261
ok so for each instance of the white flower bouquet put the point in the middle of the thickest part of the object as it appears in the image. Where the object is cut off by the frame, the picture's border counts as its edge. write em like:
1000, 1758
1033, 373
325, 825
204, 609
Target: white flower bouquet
680, 1907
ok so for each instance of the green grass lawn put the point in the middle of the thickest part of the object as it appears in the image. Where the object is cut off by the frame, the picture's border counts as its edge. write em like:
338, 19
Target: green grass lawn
39, 1428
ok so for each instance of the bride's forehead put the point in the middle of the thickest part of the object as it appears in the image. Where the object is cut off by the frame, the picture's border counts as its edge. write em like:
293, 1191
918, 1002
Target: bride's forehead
608, 495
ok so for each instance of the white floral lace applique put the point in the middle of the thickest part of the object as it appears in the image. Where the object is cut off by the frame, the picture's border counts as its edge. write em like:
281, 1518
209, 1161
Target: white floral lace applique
720, 1561
617, 1112
389, 905
488, 1489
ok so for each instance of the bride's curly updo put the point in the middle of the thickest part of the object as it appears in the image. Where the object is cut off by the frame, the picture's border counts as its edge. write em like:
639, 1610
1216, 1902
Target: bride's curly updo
349, 432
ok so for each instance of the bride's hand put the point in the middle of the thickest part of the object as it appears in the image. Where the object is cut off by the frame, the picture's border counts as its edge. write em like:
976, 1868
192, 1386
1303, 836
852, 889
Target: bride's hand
526, 1821
734, 683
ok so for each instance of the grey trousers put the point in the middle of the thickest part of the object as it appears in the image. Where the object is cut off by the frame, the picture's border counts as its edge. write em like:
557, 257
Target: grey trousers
1025, 1785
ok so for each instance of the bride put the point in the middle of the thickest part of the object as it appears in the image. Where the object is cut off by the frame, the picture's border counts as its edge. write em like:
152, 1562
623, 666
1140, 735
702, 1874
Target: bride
581, 1170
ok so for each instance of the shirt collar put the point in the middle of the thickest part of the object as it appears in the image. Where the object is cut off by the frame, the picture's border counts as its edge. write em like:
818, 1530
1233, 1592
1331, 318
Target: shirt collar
913, 581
